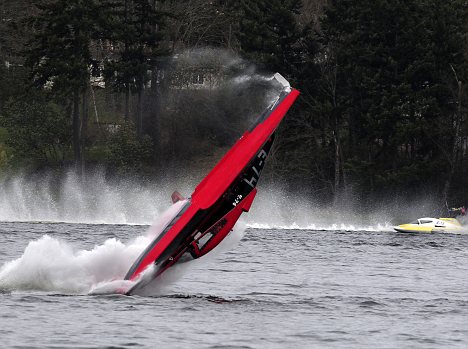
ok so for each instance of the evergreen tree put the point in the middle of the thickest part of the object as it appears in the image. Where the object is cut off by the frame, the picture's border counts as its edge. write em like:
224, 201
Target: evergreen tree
269, 34
137, 30
447, 32
392, 86
201, 23
275, 36
60, 55
14, 33
37, 128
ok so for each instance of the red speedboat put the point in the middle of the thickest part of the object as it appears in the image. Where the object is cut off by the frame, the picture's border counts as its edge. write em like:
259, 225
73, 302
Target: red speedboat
201, 222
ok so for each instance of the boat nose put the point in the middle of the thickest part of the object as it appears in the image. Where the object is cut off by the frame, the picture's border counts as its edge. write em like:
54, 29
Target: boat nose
402, 227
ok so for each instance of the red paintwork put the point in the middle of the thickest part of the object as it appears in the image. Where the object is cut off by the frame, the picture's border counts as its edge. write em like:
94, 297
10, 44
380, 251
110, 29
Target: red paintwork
222, 176
219, 179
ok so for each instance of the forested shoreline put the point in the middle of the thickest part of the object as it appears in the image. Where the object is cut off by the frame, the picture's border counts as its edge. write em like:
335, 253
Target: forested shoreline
135, 86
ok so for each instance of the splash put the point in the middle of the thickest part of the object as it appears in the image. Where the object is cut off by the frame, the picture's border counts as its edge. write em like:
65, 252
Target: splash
54, 265
50, 264
100, 201
276, 208
331, 227
95, 201
178, 271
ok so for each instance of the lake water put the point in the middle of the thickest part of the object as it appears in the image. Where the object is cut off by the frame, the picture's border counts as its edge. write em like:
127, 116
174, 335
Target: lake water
276, 288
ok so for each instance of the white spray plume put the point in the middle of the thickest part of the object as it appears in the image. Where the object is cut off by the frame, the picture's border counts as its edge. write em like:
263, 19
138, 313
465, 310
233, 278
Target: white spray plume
95, 200
50, 264
99, 201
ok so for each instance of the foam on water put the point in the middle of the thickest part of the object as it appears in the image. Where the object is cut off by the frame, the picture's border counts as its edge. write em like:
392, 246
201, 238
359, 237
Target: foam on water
50, 264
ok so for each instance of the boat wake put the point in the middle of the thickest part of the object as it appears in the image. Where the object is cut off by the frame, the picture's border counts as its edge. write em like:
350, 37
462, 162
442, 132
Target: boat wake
386, 227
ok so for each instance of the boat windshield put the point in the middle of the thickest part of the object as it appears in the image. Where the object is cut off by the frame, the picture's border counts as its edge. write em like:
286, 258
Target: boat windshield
425, 221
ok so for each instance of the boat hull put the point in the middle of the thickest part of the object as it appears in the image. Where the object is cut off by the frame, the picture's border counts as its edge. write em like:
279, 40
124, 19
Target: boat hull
217, 202
430, 225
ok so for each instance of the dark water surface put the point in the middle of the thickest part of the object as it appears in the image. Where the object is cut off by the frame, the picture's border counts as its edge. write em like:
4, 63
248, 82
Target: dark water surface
275, 289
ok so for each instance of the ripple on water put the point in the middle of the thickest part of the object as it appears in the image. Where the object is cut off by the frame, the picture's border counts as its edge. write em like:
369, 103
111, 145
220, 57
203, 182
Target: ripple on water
362, 289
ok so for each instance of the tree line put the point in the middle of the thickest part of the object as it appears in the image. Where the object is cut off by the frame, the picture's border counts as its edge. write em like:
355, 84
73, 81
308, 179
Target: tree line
383, 98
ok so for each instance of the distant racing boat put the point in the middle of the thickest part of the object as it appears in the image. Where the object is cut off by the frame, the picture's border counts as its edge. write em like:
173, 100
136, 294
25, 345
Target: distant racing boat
200, 223
430, 225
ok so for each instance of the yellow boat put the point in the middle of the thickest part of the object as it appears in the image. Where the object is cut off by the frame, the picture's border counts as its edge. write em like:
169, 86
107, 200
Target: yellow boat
430, 225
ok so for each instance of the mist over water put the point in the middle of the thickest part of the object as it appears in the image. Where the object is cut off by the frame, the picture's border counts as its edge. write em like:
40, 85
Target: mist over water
97, 200
55, 264
92, 200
